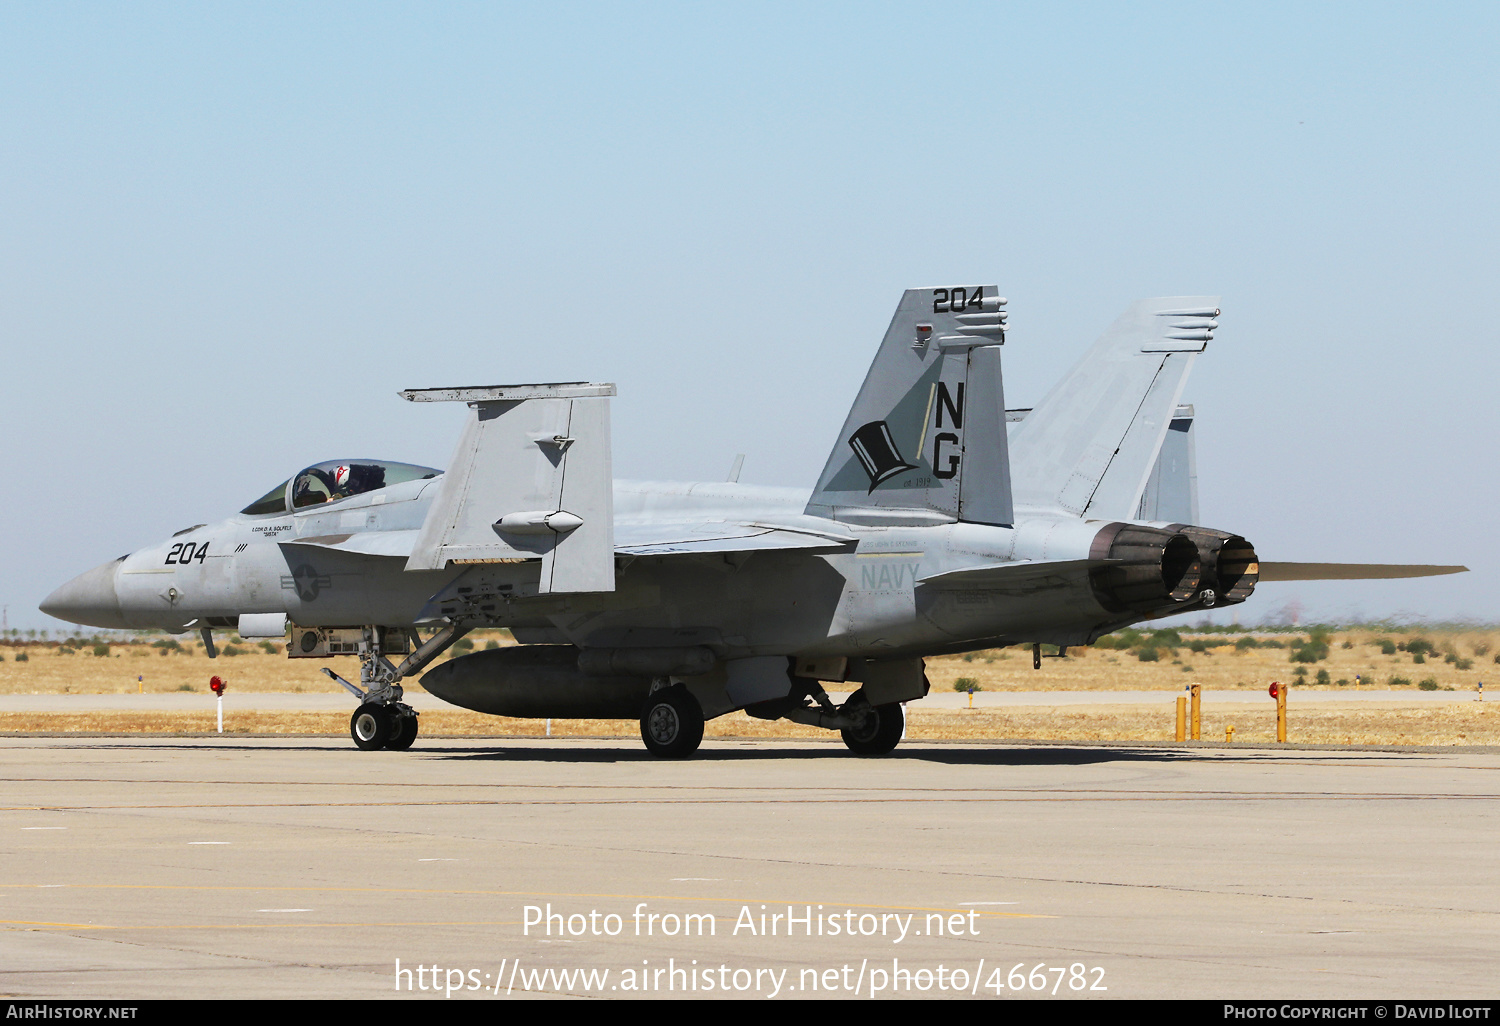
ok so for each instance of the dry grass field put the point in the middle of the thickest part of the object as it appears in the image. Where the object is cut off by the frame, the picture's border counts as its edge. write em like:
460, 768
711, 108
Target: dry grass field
1225, 666
1239, 662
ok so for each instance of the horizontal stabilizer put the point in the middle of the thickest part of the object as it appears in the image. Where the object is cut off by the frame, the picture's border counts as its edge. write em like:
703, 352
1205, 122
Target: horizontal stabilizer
1351, 571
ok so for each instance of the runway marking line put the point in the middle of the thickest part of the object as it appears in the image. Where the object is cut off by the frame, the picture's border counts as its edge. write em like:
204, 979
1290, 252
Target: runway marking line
249, 926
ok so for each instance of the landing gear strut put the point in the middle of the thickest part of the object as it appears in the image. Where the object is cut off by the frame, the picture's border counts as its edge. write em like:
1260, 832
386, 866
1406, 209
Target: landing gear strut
383, 720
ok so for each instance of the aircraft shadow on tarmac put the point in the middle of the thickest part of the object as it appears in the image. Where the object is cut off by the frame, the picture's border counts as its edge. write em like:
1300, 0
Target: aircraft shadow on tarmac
627, 752
991, 757
1009, 756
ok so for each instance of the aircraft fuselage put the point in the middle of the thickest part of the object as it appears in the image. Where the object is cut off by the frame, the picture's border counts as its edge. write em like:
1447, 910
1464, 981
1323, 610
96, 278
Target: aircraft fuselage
336, 565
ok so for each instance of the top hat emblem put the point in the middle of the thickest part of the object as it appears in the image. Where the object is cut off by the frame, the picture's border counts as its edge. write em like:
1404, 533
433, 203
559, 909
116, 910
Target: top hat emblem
877, 452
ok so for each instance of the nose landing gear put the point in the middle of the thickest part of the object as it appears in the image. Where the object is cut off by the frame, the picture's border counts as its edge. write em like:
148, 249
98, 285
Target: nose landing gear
375, 726
382, 719
403, 728
370, 727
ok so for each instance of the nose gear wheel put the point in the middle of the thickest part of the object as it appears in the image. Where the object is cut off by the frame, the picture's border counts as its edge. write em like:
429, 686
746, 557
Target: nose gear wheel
370, 726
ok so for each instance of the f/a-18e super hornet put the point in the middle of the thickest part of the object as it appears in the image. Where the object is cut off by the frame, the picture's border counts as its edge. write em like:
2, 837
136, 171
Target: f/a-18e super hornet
942, 523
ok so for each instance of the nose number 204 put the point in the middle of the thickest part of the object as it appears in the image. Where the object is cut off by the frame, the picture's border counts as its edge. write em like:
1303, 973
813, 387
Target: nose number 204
186, 552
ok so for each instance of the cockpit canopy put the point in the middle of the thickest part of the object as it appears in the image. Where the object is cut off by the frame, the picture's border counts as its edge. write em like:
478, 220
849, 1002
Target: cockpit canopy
335, 480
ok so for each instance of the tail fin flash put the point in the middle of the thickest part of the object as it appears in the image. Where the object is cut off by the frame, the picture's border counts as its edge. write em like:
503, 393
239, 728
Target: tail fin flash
1089, 448
927, 432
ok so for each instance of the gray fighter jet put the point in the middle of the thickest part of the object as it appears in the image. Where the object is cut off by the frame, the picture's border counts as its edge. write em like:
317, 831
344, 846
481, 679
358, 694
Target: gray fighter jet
942, 523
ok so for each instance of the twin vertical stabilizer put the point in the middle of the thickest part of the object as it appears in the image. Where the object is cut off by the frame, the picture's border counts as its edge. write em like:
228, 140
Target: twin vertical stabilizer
1089, 448
926, 440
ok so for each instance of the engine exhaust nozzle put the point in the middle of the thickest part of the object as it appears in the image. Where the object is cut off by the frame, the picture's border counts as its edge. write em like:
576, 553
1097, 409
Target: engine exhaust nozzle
1155, 570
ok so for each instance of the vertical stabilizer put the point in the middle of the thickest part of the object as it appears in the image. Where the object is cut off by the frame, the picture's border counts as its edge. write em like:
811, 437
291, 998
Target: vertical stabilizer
927, 432
1089, 448
1172, 489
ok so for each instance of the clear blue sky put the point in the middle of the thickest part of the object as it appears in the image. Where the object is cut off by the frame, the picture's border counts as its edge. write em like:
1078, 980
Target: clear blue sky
230, 232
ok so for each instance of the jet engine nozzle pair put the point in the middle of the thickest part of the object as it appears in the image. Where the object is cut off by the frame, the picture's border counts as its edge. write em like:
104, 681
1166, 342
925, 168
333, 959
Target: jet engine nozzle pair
1172, 569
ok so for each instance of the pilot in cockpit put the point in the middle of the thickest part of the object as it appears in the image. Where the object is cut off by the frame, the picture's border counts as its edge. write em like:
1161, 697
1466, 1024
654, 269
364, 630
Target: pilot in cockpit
318, 484
313, 486
332, 481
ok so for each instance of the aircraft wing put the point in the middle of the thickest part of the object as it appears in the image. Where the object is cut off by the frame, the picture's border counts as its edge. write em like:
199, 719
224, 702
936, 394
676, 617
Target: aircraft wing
631, 539
654, 538
1351, 571
1015, 578
364, 543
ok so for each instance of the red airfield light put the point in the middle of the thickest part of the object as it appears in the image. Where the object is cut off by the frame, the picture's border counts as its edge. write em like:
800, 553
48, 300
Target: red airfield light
216, 685
1274, 689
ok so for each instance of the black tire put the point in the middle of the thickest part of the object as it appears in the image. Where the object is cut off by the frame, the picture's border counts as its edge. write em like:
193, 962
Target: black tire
370, 726
672, 723
403, 731
882, 729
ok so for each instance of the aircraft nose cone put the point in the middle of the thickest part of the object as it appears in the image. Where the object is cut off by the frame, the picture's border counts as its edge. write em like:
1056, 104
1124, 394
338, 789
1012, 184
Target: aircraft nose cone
89, 599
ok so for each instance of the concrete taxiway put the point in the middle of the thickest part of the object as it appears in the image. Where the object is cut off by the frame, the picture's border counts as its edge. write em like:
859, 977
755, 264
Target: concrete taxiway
283, 701
300, 867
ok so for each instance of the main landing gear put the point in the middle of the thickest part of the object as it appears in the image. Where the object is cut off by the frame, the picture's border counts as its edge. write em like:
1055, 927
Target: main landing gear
672, 722
877, 729
867, 729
